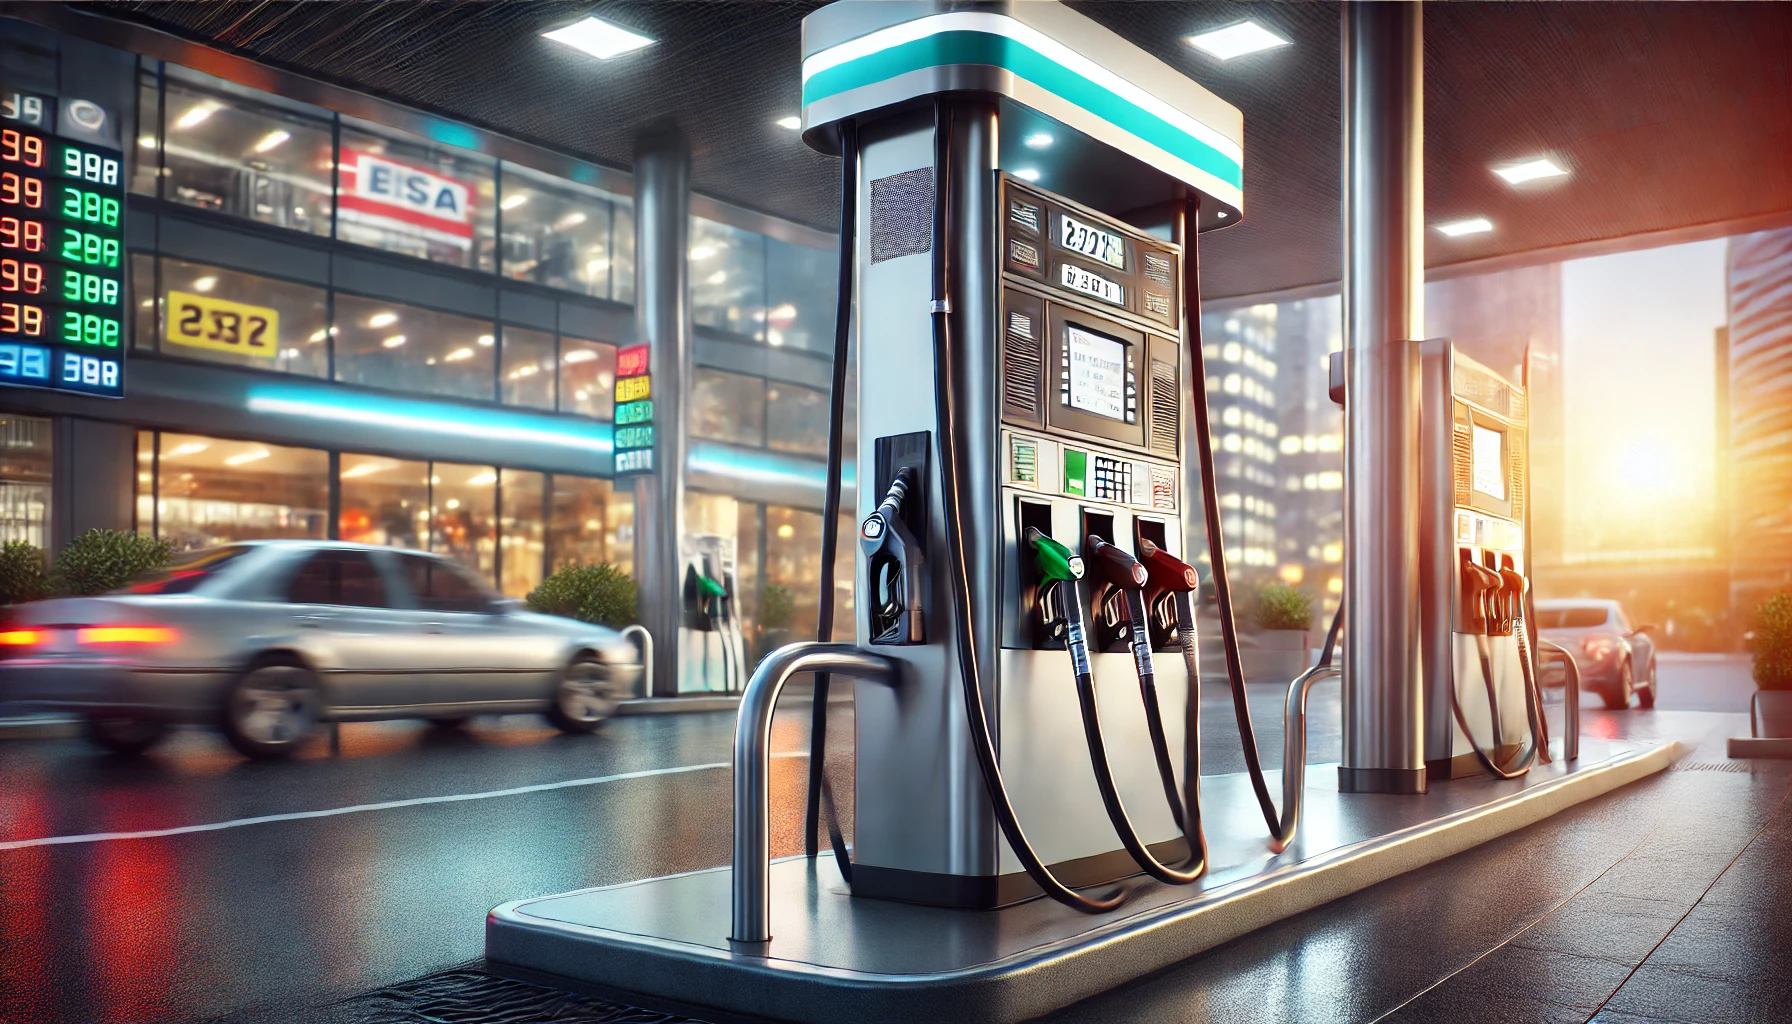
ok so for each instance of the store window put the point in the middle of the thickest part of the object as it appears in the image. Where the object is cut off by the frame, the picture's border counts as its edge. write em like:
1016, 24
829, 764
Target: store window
210, 491
384, 501
591, 521
787, 608
622, 280
587, 377
556, 233
727, 267
388, 345
405, 194
25, 480
800, 291
227, 316
728, 407
526, 374
463, 515
144, 314
231, 155
796, 419
146, 165
522, 532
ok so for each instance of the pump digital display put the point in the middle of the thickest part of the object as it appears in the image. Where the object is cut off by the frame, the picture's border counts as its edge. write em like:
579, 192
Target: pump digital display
1083, 238
1488, 472
1097, 373
61, 263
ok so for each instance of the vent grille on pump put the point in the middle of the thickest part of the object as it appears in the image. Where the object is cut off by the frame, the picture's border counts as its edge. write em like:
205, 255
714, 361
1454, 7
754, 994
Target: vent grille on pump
1166, 407
1462, 455
902, 215
1515, 470
1023, 367
1490, 392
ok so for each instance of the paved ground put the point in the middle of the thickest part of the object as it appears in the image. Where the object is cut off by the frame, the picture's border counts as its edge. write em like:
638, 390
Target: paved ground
1654, 903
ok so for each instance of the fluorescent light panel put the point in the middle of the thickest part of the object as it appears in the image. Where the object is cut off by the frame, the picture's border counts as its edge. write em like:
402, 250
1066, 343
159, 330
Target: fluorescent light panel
1530, 170
1237, 40
793, 122
599, 38
1472, 226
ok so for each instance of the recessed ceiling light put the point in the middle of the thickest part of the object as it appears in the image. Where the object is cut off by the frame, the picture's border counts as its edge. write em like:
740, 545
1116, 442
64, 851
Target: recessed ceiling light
272, 140
1027, 174
206, 283
386, 319
599, 38
393, 342
197, 115
792, 122
702, 252
1037, 140
1530, 170
1237, 40
1472, 226
511, 202
243, 458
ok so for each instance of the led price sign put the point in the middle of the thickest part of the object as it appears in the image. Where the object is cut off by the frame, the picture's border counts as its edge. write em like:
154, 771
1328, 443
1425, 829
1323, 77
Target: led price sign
633, 440
61, 263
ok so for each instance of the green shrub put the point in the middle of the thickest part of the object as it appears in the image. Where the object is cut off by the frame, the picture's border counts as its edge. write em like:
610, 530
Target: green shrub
598, 592
1772, 643
22, 576
777, 609
1280, 606
103, 560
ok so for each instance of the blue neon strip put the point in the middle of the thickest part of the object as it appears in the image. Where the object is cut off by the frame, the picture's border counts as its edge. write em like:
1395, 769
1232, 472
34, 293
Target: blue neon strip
427, 417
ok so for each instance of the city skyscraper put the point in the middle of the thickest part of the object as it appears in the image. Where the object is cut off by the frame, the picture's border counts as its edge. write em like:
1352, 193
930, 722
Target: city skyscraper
1759, 273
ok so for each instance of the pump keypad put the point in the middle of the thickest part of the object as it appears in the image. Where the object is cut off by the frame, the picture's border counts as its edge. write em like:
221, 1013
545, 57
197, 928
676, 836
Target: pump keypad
1113, 480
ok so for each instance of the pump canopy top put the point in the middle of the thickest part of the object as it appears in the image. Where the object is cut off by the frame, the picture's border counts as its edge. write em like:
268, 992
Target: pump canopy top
1049, 68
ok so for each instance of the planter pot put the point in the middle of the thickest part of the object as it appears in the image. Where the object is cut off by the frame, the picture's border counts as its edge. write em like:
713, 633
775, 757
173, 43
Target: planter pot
1275, 655
1771, 714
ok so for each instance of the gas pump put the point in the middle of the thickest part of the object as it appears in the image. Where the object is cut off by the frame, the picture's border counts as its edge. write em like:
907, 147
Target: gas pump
1483, 706
710, 633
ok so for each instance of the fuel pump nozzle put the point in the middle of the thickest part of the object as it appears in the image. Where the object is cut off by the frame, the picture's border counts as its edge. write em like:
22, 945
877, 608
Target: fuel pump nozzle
893, 569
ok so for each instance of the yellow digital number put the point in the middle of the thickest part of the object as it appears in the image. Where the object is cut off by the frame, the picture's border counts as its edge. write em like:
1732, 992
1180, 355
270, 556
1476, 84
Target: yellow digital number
630, 389
201, 321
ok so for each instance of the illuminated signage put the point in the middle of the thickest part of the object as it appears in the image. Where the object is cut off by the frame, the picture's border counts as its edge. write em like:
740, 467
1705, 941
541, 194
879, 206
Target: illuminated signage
383, 193
201, 321
61, 261
633, 440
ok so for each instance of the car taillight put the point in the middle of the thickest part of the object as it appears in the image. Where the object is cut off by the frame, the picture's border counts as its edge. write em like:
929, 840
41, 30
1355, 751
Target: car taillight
23, 637
1597, 646
94, 636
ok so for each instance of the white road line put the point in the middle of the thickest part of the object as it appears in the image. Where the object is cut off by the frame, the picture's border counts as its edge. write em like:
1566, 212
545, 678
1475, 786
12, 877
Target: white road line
384, 805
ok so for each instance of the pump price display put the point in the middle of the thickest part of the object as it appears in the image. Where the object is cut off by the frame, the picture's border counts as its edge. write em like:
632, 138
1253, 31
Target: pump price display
633, 439
61, 264
1092, 241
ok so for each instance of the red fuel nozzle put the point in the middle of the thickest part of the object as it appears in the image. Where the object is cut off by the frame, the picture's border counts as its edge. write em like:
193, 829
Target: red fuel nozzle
1165, 571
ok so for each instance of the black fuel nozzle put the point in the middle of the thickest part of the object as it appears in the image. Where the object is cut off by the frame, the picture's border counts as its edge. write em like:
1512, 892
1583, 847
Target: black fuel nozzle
893, 569
1119, 598
1169, 582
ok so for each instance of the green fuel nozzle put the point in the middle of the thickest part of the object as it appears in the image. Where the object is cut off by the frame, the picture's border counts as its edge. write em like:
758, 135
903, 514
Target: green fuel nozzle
711, 588
1054, 560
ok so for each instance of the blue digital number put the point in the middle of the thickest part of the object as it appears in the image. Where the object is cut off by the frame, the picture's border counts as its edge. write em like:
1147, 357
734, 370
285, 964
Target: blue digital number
24, 362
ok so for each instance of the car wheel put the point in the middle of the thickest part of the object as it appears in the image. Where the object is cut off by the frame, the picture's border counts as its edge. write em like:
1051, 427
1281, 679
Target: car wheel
1645, 697
583, 699
1618, 697
123, 734
271, 709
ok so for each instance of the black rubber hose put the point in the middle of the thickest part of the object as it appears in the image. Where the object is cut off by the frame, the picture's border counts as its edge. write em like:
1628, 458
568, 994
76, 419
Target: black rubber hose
957, 575
1104, 773
1523, 764
830, 506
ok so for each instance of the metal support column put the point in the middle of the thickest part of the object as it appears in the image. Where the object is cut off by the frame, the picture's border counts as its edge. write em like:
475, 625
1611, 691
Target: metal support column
663, 322
1384, 279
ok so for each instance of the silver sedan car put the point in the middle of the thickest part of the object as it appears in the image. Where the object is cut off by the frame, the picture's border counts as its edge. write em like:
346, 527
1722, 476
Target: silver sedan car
268, 638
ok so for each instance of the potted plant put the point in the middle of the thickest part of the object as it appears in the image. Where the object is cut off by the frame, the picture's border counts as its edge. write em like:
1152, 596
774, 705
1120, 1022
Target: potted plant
597, 593
1771, 643
1279, 626
104, 560
22, 575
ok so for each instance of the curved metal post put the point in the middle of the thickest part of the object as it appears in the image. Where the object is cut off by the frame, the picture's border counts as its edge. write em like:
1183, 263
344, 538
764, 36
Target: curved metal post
646, 654
1570, 701
1294, 745
752, 768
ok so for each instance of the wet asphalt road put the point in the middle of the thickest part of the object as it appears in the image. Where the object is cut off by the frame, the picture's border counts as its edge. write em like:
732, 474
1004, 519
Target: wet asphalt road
217, 917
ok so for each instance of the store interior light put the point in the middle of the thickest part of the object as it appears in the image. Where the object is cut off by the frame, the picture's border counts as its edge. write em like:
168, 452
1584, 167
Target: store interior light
571, 220
1038, 140
1472, 226
485, 479
196, 115
365, 469
599, 38
512, 202
1530, 170
385, 319
393, 342
457, 355
1027, 174
244, 458
272, 140
486, 340
792, 122
702, 252
146, 141
579, 355
189, 448
317, 336
206, 283
1237, 40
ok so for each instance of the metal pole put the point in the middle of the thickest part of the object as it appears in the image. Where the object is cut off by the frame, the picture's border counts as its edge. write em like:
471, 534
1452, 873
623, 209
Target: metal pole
663, 322
1384, 267
752, 768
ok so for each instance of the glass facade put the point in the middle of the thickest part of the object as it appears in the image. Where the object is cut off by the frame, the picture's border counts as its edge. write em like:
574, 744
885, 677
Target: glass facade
728, 407
559, 234
25, 479
506, 525
226, 316
243, 157
405, 194
406, 348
